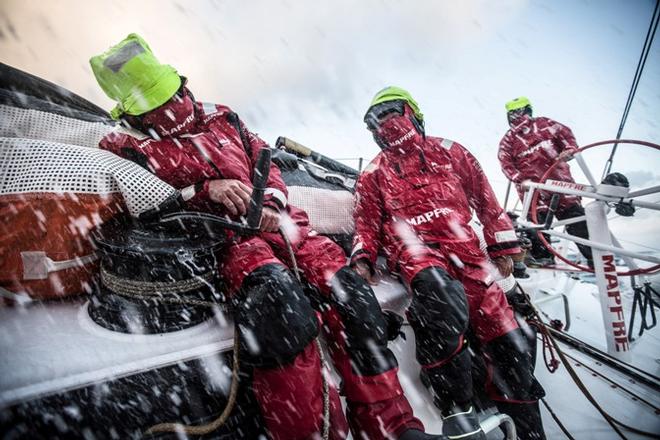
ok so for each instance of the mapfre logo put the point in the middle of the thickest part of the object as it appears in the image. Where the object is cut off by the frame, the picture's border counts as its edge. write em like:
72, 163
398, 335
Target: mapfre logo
403, 138
428, 216
544, 144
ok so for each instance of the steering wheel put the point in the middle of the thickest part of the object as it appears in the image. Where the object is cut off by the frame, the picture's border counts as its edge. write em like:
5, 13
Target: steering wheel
534, 213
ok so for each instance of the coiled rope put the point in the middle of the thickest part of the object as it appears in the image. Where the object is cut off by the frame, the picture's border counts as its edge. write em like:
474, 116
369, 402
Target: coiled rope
326, 385
128, 287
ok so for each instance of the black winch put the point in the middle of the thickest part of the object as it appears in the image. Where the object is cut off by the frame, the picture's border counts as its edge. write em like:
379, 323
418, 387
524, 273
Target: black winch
156, 277
160, 275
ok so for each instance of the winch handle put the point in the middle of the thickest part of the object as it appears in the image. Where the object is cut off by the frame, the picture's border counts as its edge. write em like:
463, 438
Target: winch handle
259, 182
308, 154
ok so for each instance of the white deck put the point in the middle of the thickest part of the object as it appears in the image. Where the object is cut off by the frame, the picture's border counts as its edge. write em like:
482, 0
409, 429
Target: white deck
46, 348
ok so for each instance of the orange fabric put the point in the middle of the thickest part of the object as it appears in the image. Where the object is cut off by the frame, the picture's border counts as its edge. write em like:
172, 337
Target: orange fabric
57, 224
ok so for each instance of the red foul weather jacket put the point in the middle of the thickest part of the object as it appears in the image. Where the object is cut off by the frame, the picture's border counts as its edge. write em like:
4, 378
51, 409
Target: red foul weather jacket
424, 198
212, 150
529, 148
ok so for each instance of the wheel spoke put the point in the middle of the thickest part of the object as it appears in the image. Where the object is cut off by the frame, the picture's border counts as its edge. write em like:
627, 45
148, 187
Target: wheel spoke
568, 221
585, 169
644, 192
629, 261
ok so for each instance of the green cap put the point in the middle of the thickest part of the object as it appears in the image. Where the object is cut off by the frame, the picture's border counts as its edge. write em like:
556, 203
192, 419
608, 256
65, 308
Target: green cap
393, 93
517, 103
130, 74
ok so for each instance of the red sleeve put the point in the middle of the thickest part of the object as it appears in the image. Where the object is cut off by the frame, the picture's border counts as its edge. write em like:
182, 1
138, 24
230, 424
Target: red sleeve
368, 217
565, 136
276, 194
506, 160
196, 196
498, 229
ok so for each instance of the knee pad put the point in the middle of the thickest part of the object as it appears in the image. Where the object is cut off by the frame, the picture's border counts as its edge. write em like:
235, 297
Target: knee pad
438, 314
274, 317
363, 321
513, 368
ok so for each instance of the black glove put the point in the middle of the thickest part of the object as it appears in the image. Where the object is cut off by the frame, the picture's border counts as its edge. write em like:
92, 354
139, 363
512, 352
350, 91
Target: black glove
394, 324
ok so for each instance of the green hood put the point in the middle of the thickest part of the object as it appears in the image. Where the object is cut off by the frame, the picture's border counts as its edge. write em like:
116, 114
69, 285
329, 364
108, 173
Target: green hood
130, 74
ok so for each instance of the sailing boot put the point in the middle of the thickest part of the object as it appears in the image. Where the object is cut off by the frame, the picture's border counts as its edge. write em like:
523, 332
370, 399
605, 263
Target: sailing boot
462, 422
451, 384
416, 434
527, 418
520, 270
513, 386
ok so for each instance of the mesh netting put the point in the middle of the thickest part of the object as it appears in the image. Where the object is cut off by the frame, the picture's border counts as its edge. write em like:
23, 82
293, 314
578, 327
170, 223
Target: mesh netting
330, 212
34, 166
36, 124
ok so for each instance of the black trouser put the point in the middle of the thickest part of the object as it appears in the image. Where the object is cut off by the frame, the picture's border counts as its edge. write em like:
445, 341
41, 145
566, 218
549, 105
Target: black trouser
438, 315
275, 319
578, 229
364, 324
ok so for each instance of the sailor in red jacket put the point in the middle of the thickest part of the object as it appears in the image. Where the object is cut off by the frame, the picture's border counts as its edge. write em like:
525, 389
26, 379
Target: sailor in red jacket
206, 151
413, 204
526, 152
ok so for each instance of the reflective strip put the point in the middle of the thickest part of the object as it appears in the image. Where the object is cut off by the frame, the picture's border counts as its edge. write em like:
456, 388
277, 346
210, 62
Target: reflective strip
116, 61
209, 108
188, 193
446, 143
137, 134
504, 236
276, 193
356, 248
458, 414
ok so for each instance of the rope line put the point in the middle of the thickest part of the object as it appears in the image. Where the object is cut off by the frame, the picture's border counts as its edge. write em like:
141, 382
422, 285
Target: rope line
207, 428
557, 420
653, 26
572, 373
126, 286
324, 378
614, 384
156, 290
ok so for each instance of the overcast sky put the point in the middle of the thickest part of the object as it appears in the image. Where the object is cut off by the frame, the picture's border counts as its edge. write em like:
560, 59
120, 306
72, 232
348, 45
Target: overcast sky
308, 69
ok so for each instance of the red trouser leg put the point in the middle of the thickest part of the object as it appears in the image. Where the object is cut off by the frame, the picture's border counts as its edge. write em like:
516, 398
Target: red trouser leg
290, 396
491, 315
377, 407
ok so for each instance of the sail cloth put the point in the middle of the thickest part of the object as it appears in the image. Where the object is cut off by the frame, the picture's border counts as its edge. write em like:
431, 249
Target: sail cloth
323, 195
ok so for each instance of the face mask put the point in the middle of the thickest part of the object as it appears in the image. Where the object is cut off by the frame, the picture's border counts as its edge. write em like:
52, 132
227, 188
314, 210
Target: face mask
398, 133
517, 116
175, 117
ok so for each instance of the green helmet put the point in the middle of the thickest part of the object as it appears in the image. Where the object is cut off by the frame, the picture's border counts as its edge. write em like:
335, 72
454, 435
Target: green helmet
393, 93
130, 74
517, 104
